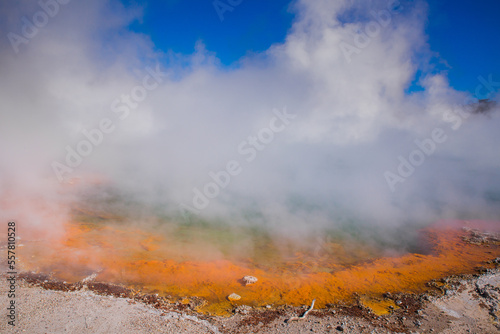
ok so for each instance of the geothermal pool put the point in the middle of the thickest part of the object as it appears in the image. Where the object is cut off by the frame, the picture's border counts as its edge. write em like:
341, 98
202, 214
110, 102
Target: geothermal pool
209, 261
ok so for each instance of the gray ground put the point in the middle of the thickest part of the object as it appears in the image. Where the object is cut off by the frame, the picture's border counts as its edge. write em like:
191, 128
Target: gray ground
468, 306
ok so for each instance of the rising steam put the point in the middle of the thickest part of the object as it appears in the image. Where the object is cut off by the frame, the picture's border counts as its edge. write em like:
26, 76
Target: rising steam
200, 140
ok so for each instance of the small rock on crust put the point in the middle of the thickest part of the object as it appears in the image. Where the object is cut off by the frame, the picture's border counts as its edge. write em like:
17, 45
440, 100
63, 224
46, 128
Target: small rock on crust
233, 297
243, 309
250, 280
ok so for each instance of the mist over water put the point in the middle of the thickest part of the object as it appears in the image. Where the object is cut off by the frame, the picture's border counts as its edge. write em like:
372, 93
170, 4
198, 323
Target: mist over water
307, 140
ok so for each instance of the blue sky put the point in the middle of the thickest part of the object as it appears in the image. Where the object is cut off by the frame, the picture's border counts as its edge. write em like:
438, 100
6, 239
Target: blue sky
464, 35
467, 35
251, 26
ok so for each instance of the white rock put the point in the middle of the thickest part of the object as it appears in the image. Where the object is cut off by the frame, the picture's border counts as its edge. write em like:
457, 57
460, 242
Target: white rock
250, 280
233, 297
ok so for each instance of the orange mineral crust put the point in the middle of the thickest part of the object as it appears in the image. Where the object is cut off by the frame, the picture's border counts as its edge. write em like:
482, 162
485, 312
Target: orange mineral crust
155, 262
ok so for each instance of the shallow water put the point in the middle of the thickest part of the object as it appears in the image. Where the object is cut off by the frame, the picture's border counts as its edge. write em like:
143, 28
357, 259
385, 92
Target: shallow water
210, 261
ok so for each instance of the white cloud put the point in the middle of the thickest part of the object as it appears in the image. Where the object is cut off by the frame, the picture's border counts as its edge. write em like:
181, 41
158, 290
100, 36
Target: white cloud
353, 119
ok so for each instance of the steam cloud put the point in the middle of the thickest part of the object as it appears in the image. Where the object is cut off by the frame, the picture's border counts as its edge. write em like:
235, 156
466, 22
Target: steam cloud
353, 119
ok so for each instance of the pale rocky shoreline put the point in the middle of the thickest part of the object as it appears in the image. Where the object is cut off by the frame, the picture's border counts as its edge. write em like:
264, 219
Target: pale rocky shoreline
468, 304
